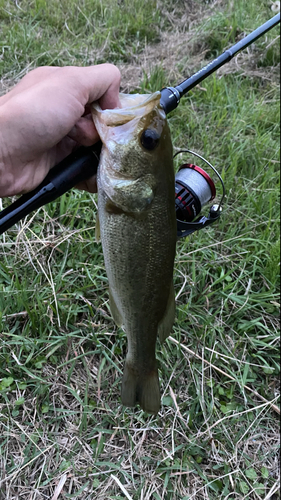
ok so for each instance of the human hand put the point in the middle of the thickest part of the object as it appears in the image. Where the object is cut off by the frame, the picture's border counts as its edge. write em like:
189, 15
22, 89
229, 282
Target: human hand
46, 116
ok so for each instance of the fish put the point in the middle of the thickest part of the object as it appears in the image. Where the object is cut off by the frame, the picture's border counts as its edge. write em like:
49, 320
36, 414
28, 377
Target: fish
137, 228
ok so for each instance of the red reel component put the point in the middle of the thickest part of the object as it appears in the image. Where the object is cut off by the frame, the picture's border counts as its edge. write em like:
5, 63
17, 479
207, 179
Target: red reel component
193, 189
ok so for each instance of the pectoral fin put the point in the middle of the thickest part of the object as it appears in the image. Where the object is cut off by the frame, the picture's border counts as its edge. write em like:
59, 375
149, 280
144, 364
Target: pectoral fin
116, 315
166, 324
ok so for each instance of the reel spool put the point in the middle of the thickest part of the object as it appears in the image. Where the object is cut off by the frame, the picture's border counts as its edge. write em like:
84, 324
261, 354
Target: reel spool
194, 188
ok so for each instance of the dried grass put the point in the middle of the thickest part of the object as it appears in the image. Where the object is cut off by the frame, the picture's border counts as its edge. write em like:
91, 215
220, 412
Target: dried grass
56, 450
86, 444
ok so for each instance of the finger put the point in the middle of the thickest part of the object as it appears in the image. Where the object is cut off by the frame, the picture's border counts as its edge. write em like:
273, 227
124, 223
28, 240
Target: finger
62, 150
101, 83
84, 132
90, 185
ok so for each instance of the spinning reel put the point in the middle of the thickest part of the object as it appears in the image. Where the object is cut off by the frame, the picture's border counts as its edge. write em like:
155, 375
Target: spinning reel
194, 188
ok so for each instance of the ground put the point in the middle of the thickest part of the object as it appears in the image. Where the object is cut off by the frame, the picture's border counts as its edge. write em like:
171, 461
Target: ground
63, 430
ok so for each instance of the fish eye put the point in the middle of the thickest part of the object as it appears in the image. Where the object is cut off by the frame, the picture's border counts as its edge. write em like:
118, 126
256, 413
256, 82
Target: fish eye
149, 139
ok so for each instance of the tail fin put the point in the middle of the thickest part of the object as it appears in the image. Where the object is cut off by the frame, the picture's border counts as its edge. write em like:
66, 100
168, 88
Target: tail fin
141, 388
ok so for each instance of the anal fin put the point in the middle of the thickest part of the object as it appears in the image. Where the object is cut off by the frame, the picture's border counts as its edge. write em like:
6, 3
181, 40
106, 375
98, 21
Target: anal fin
97, 230
116, 315
166, 324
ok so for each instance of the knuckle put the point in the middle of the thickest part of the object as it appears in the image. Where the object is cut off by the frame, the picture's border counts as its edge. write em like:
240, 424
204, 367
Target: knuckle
114, 72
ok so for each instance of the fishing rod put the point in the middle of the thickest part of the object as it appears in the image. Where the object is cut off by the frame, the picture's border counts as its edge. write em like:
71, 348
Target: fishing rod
193, 189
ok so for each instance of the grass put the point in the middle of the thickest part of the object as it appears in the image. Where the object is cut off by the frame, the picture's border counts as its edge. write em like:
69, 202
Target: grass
63, 430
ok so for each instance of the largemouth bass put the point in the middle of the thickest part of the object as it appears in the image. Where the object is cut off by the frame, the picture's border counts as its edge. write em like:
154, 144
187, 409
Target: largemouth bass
136, 207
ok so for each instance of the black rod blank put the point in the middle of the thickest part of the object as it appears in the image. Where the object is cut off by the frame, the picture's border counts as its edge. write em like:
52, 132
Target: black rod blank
170, 96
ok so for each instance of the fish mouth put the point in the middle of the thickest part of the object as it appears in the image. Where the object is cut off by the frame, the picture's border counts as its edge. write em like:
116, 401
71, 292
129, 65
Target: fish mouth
132, 106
